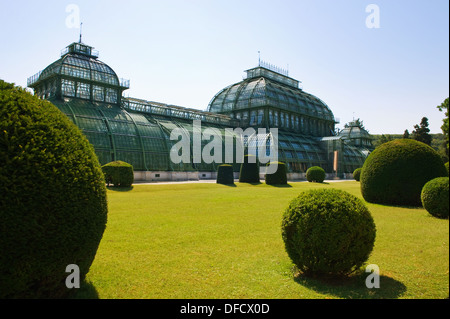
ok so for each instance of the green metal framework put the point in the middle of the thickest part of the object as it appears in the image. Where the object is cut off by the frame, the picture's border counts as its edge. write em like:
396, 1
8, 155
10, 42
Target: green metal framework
268, 99
137, 131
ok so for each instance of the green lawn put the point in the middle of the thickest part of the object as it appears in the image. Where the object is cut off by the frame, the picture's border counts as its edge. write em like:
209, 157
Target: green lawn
204, 240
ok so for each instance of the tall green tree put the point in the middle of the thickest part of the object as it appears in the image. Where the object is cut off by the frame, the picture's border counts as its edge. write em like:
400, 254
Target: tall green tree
406, 134
421, 132
444, 108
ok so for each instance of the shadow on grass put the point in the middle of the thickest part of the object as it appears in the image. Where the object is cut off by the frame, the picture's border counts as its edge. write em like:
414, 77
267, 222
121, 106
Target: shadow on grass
229, 185
86, 291
280, 185
353, 287
252, 183
120, 189
319, 183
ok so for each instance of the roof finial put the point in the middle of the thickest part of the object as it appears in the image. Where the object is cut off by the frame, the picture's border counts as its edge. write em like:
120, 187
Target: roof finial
81, 34
259, 58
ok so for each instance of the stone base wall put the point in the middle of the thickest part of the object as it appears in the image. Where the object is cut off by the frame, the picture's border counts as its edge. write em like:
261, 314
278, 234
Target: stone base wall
163, 176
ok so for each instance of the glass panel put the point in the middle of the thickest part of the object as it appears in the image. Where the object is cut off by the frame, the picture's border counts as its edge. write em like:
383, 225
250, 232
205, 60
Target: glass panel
68, 87
83, 90
99, 140
260, 117
92, 124
111, 95
252, 117
99, 93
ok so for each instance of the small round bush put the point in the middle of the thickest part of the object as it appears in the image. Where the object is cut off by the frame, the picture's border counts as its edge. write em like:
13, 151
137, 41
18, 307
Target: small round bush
279, 177
328, 232
315, 174
435, 197
395, 172
53, 207
249, 172
118, 173
357, 174
225, 174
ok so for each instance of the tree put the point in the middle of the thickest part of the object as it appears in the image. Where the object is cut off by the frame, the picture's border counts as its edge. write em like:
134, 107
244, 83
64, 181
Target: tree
444, 127
406, 134
421, 132
382, 139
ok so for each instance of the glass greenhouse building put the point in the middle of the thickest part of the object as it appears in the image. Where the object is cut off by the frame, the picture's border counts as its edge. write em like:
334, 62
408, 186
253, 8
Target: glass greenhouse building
138, 131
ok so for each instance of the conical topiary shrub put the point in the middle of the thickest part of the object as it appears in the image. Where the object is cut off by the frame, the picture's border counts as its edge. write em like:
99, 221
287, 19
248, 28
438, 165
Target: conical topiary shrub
249, 170
279, 177
225, 174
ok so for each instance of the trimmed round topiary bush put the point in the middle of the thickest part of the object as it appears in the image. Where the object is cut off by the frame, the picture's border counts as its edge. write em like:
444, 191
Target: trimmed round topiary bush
435, 197
225, 174
118, 173
279, 177
53, 207
328, 232
395, 172
249, 172
315, 174
357, 174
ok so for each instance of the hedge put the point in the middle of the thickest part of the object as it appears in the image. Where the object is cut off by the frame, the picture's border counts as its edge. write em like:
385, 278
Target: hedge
315, 174
279, 177
435, 197
53, 207
249, 172
118, 173
225, 174
357, 174
395, 172
328, 232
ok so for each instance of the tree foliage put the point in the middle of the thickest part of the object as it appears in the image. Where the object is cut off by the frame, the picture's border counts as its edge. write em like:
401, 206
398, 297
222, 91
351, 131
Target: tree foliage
421, 132
444, 108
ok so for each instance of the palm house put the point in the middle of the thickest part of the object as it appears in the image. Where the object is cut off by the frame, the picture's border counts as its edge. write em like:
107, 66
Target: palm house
138, 131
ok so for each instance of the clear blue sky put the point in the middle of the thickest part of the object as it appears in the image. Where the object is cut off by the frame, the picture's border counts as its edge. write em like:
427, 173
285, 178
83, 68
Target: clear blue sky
183, 52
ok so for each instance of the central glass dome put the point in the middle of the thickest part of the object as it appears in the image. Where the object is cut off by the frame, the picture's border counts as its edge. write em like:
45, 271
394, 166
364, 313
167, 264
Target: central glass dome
78, 73
277, 97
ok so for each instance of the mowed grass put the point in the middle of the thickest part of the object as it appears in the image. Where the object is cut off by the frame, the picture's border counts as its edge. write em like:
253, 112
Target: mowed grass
203, 240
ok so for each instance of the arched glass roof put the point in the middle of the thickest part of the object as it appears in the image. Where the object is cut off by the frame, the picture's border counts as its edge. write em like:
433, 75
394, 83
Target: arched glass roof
265, 91
353, 132
81, 67
79, 61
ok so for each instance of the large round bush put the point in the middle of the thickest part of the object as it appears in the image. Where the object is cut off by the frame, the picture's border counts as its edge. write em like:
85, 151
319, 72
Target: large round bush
118, 173
279, 177
225, 174
395, 172
435, 197
249, 172
315, 174
53, 207
328, 232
